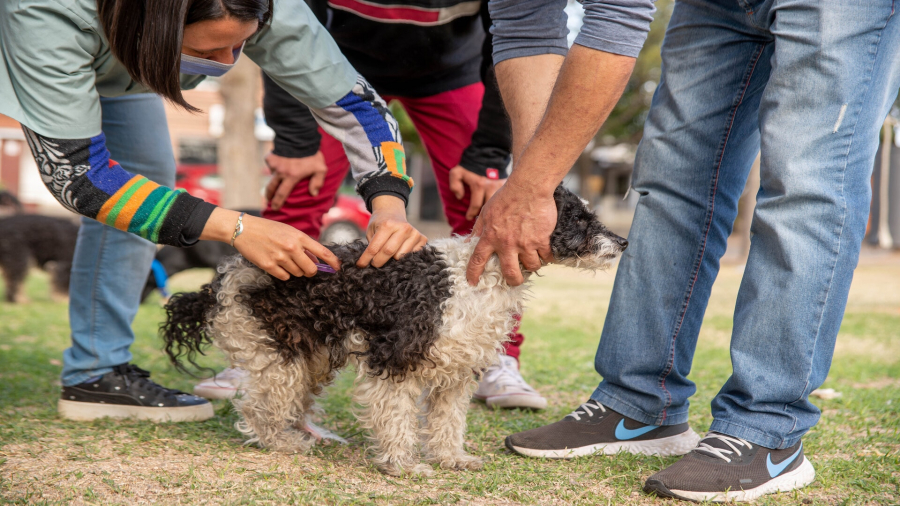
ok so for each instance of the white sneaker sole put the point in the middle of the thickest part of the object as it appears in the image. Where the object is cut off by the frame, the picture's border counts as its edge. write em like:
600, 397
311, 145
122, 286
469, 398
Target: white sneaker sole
798, 478
678, 444
514, 401
86, 411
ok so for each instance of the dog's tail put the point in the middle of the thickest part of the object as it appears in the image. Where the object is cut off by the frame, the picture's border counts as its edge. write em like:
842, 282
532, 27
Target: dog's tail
184, 329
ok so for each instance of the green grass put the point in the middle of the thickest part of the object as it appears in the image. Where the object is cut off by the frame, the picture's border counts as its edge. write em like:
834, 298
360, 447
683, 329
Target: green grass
855, 447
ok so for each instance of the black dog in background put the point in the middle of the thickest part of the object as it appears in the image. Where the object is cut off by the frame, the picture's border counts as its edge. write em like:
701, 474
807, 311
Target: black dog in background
45, 241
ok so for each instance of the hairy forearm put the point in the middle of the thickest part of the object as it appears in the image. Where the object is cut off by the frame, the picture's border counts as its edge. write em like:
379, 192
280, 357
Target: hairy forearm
526, 85
590, 83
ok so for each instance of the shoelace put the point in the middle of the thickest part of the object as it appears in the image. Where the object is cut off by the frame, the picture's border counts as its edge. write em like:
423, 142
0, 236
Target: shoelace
586, 409
505, 374
134, 374
720, 452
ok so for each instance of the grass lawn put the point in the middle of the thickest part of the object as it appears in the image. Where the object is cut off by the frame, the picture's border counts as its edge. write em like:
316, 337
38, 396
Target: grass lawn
855, 448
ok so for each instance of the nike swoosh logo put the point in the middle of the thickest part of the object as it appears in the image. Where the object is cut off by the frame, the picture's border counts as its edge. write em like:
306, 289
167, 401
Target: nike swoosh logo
623, 434
776, 469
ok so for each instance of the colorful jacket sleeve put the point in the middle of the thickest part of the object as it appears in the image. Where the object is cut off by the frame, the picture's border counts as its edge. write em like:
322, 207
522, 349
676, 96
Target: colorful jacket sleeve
82, 177
362, 122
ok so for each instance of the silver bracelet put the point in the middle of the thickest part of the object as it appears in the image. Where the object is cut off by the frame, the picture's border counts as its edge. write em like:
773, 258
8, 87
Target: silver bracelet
238, 228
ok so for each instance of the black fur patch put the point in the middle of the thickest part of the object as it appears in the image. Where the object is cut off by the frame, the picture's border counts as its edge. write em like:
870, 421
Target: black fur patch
576, 227
397, 308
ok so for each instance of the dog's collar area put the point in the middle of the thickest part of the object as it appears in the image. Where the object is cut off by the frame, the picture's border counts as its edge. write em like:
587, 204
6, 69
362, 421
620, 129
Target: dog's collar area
325, 268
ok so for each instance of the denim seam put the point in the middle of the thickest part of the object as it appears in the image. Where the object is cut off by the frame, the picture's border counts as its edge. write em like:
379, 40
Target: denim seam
737, 430
655, 419
94, 287
709, 219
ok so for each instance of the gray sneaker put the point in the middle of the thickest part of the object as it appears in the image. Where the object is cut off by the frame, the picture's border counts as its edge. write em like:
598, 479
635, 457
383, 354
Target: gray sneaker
595, 429
729, 469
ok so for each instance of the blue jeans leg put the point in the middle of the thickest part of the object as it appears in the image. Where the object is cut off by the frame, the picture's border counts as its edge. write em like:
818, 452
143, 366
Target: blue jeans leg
110, 266
816, 80
700, 139
835, 74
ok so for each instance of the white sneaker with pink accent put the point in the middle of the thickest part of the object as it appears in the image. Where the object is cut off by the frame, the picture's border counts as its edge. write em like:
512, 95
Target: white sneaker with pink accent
502, 386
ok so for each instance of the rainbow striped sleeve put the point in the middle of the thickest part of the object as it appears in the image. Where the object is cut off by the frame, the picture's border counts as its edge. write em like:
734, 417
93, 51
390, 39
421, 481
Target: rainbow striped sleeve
84, 179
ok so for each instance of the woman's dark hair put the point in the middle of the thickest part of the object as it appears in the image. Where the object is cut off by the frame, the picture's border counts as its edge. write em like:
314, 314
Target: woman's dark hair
146, 35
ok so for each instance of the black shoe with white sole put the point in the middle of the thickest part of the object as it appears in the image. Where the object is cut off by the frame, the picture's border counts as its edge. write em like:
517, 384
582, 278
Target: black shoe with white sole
725, 469
595, 429
128, 392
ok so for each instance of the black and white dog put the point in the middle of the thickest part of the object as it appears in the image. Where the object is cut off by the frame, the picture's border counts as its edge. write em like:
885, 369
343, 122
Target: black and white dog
414, 328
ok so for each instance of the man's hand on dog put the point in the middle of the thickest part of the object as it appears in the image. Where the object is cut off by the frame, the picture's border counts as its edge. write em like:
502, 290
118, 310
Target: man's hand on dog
287, 172
481, 189
516, 225
389, 234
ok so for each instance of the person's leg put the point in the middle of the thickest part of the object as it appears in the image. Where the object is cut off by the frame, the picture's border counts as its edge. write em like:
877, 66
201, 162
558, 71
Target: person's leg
700, 139
445, 123
304, 211
110, 266
835, 74
699, 143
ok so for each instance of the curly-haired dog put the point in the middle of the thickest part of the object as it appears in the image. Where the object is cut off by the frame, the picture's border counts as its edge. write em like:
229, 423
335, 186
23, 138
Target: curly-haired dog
415, 329
46, 241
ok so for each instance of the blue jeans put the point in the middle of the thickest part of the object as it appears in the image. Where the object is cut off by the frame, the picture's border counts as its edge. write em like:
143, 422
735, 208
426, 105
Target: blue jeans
110, 266
807, 83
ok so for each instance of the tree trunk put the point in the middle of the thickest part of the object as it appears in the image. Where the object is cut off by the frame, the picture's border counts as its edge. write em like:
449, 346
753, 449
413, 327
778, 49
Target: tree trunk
239, 158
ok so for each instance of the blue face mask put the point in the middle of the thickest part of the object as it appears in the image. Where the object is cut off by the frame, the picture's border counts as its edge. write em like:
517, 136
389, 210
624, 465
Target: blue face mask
191, 65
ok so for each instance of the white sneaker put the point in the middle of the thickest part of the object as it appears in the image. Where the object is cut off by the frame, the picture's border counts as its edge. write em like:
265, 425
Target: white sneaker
503, 387
225, 385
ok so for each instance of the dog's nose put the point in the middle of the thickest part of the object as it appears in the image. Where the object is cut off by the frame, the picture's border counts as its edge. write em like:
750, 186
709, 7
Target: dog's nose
622, 242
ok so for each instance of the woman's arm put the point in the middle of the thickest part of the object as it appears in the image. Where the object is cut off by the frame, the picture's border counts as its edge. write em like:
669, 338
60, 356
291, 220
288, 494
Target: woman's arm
83, 178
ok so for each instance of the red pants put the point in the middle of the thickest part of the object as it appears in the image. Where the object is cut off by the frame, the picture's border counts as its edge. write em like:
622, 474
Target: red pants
445, 123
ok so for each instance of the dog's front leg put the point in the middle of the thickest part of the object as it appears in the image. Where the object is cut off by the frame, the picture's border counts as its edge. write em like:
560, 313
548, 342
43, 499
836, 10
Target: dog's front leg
445, 422
389, 411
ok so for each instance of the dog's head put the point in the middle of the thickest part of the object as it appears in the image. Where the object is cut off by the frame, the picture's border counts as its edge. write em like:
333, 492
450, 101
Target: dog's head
579, 239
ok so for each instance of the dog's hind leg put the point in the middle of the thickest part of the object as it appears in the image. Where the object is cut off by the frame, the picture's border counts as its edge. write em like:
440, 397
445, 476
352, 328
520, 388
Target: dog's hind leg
274, 404
445, 422
390, 411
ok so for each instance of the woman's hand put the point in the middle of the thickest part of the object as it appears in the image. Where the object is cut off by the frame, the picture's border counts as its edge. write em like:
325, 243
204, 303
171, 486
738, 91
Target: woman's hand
280, 250
389, 234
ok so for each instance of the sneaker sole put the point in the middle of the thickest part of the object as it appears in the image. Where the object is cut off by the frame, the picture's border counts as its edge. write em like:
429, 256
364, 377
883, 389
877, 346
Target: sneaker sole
678, 444
215, 392
86, 411
515, 401
798, 478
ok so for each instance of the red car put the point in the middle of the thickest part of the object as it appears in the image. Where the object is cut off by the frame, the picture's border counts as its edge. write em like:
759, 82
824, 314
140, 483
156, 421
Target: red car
345, 222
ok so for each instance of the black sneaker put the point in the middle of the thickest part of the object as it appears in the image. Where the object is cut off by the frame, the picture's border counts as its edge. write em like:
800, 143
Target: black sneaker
596, 429
128, 392
724, 468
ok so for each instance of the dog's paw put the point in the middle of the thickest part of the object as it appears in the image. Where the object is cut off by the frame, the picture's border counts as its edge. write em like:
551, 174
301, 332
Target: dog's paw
462, 462
408, 471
